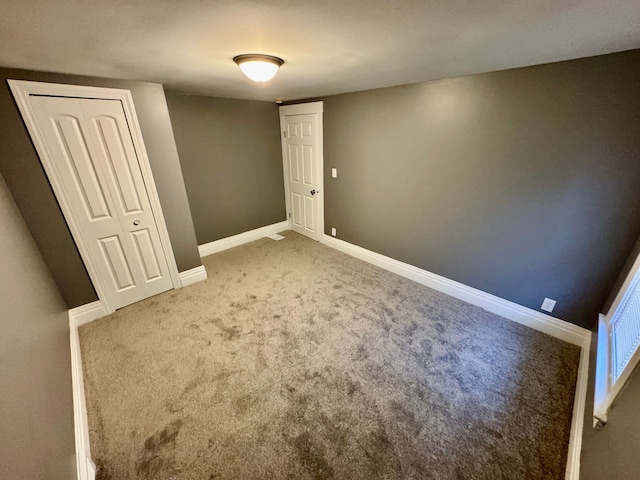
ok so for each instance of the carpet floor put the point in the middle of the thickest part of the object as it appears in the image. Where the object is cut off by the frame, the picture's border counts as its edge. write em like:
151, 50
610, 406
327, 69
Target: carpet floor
296, 361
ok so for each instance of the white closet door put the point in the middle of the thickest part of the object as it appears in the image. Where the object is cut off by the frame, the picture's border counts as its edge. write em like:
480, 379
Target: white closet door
95, 161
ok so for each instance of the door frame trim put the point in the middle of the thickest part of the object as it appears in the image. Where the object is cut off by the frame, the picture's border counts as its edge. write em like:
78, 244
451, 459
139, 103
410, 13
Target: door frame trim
22, 90
311, 108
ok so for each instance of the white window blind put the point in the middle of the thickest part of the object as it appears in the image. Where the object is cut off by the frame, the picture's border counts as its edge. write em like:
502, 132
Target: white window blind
618, 342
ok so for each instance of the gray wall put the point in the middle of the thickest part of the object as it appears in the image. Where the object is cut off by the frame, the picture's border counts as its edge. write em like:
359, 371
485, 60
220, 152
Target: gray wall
21, 168
36, 423
231, 159
611, 453
622, 276
521, 183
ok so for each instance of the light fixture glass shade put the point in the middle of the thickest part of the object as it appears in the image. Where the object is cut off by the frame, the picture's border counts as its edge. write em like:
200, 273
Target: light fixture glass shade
259, 68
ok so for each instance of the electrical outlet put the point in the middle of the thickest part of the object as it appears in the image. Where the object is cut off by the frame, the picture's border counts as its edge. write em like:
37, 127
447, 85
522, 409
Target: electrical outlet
548, 305
333, 232
334, 172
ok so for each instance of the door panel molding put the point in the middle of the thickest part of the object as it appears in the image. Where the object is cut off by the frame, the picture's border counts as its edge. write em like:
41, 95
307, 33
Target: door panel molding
22, 92
301, 173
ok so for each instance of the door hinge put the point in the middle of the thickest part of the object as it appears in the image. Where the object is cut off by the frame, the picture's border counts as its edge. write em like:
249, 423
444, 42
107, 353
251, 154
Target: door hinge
289, 214
284, 134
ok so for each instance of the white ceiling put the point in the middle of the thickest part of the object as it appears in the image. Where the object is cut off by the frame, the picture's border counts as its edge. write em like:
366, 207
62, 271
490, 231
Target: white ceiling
330, 46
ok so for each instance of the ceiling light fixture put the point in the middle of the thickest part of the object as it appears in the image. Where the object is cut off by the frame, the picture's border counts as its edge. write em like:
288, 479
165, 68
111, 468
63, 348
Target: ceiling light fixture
259, 68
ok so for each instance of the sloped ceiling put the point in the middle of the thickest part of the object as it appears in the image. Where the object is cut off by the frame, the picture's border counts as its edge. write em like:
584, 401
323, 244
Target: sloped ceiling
329, 46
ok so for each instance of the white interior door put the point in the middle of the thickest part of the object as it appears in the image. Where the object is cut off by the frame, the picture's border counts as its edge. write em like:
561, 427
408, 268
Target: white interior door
302, 156
95, 162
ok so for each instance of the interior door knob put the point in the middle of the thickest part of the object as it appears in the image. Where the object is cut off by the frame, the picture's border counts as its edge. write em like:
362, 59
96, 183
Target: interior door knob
136, 222
313, 192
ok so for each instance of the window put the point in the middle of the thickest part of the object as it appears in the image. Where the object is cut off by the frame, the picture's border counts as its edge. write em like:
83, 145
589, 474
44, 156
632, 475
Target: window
618, 344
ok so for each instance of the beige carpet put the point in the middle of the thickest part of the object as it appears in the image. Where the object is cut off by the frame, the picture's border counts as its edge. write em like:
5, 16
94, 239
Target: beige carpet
295, 361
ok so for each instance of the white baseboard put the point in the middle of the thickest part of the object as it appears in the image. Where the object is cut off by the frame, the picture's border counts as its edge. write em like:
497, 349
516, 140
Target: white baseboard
579, 405
512, 311
87, 313
84, 465
241, 238
195, 275
537, 320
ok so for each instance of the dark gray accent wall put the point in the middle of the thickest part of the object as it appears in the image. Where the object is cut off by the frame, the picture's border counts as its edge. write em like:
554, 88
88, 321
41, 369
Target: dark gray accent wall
611, 453
29, 186
622, 276
521, 183
231, 159
36, 423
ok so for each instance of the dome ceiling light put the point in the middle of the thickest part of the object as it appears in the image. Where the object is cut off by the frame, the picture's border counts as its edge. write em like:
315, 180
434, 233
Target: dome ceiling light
257, 67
